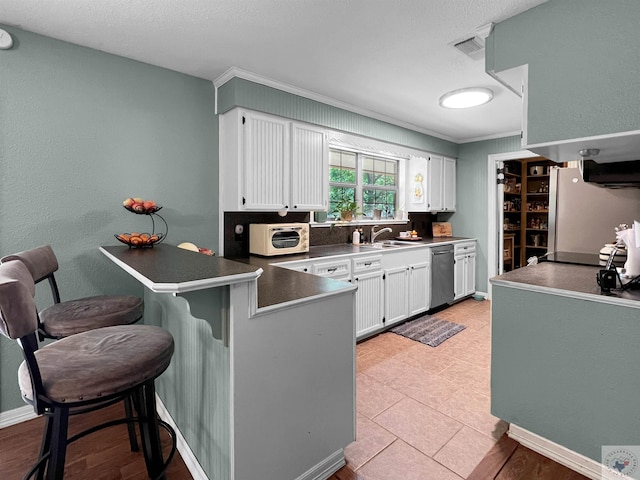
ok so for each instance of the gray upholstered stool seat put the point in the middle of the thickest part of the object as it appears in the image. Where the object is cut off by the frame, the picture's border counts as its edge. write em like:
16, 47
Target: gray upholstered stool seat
82, 368
75, 316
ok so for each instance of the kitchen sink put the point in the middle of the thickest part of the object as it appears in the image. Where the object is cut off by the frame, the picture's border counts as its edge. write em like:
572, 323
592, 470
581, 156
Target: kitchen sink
386, 244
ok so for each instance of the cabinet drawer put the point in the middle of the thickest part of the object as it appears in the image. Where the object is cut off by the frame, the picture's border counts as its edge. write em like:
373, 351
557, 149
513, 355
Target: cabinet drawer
464, 248
338, 269
367, 264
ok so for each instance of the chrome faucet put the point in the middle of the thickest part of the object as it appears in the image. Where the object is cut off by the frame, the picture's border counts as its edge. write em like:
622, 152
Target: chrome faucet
375, 234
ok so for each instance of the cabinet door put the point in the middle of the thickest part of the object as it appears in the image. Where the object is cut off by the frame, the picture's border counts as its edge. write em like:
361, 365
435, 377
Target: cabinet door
449, 185
416, 199
395, 295
265, 162
419, 288
309, 168
459, 276
470, 274
435, 171
369, 303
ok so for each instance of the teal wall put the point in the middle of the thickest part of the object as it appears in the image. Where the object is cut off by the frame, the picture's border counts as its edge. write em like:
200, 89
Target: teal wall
584, 65
470, 219
81, 130
238, 92
564, 368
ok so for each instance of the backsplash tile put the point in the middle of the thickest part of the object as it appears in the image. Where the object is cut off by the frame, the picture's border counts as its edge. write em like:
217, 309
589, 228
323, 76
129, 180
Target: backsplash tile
330, 235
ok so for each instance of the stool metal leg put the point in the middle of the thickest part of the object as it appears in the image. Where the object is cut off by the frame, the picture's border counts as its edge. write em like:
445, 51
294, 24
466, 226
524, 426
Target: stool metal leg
45, 446
131, 427
149, 431
55, 466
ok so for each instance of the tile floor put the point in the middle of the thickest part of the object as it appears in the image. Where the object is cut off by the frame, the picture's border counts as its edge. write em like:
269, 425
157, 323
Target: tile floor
423, 412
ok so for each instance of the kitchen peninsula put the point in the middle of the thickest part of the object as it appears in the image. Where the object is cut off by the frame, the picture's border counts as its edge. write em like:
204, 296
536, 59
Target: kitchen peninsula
563, 362
255, 392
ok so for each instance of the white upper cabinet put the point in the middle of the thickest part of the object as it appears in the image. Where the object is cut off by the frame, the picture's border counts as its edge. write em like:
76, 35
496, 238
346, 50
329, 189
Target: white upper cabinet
431, 186
449, 185
309, 168
268, 163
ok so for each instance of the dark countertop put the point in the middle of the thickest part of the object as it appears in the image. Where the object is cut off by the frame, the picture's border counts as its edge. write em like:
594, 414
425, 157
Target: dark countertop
590, 259
577, 281
169, 269
279, 285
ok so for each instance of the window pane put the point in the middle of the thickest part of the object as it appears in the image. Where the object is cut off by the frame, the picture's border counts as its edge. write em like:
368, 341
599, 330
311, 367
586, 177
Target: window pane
342, 167
338, 194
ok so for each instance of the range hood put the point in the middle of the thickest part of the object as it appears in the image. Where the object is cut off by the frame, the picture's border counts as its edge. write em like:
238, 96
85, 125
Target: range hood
612, 175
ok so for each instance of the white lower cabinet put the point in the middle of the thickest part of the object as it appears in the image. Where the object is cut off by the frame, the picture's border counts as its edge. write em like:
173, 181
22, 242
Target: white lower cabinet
392, 286
419, 288
464, 269
396, 295
369, 303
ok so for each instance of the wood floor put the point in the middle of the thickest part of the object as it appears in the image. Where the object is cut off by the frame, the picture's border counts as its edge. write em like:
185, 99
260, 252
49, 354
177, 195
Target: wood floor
103, 455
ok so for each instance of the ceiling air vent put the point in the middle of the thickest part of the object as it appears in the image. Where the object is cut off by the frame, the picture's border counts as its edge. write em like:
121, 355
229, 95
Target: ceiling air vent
472, 47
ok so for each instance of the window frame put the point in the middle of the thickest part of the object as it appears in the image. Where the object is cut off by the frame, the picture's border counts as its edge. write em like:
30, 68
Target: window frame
359, 186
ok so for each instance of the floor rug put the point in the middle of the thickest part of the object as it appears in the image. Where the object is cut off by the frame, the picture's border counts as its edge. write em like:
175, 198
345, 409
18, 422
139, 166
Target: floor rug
429, 330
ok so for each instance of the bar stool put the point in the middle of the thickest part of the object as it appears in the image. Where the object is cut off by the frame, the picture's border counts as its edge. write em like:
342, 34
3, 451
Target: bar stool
82, 373
63, 319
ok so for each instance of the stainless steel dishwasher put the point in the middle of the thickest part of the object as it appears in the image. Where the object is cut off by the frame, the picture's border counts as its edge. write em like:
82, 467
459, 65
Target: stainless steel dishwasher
441, 275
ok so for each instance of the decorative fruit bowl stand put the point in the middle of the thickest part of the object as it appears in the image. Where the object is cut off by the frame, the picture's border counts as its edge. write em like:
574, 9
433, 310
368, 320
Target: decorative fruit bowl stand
142, 240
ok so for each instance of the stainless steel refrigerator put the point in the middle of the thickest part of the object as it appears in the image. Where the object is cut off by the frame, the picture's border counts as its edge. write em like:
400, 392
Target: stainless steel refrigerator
583, 216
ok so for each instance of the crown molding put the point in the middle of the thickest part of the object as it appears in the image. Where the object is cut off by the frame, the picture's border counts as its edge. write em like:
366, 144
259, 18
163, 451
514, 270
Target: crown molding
285, 87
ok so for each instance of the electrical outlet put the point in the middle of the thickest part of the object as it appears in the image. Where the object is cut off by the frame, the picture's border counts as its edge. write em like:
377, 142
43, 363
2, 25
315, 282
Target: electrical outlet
238, 232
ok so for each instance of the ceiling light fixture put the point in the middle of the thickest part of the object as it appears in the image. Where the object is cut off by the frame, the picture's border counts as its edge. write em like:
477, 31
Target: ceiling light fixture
466, 97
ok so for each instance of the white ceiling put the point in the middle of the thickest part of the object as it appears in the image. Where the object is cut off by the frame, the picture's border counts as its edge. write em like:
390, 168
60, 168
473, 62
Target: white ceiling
390, 57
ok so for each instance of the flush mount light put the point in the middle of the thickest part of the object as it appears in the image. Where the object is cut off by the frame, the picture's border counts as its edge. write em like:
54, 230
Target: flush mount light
466, 98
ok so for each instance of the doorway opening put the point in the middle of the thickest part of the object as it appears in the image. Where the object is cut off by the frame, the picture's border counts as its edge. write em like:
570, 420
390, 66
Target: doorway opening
518, 209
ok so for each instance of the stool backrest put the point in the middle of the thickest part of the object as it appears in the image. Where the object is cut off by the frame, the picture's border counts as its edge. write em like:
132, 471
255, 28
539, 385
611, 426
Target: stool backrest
19, 317
42, 263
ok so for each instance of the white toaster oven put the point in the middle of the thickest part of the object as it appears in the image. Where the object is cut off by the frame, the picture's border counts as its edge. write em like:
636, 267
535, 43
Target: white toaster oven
269, 239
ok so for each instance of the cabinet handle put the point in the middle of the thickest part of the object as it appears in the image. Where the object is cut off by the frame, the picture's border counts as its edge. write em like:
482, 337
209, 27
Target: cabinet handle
295, 206
332, 269
286, 206
367, 264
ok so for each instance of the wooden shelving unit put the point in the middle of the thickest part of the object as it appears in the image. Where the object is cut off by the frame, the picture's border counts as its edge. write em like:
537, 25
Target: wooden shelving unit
526, 209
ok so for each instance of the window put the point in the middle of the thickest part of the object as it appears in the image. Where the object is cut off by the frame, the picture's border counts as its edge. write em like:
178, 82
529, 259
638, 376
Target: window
371, 181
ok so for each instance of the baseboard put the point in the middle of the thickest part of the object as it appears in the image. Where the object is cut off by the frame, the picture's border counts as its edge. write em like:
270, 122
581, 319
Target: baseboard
562, 455
17, 415
187, 455
326, 468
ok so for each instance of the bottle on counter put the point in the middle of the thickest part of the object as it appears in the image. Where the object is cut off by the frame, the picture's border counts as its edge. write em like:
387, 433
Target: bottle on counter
356, 237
